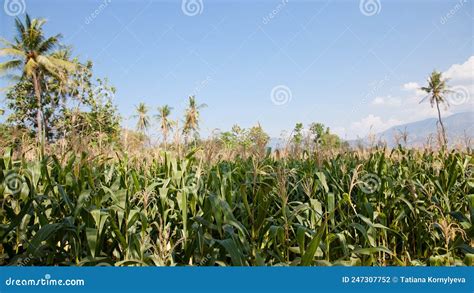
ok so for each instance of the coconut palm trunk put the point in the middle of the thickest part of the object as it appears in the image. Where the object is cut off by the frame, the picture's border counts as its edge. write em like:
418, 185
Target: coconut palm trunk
165, 139
440, 121
39, 113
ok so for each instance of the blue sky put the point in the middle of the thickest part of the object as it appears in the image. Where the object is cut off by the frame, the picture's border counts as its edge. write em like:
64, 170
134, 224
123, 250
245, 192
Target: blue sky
335, 62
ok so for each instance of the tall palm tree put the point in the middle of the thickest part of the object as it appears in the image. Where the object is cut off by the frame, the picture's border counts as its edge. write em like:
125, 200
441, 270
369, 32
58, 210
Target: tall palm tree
191, 118
165, 123
143, 121
436, 89
32, 54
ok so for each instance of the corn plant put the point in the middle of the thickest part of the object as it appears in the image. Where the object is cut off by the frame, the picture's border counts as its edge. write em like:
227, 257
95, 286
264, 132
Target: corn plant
399, 207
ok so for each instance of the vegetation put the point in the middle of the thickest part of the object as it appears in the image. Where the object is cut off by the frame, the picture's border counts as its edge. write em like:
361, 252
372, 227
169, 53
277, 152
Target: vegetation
191, 119
143, 121
92, 193
436, 90
32, 55
403, 207
166, 125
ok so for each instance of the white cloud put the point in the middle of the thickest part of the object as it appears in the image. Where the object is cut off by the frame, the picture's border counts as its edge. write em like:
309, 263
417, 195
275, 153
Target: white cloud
340, 131
410, 86
378, 101
388, 101
372, 124
415, 88
463, 71
462, 84
407, 108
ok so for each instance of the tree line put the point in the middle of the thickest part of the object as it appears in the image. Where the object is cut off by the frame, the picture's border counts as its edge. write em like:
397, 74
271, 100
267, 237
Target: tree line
55, 97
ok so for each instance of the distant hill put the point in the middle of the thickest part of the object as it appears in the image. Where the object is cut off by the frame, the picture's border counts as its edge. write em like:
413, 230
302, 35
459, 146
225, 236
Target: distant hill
276, 143
457, 127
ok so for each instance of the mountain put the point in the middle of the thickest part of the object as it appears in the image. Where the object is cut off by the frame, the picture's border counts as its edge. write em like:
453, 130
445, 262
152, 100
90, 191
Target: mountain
276, 143
458, 127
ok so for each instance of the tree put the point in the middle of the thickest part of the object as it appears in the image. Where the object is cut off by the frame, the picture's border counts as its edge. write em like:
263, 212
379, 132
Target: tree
166, 124
237, 139
322, 137
20, 100
437, 89
32, 54
259, 139
191, 118
95, 116
298, 133
317, 131
297, 138
143, 121
78, 110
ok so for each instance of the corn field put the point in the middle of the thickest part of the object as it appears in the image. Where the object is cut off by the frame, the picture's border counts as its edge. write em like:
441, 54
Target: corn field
395, 207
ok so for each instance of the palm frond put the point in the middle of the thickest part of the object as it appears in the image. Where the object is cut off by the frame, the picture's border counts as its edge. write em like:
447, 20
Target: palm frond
10, 65
62, 64
12, 52
424, 99
30, 66
6, 43
48, 44
13, 78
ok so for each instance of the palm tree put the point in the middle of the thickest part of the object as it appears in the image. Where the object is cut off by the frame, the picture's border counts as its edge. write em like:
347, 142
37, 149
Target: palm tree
436, 90
32, 53
165, 123
143, 121
191, 119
